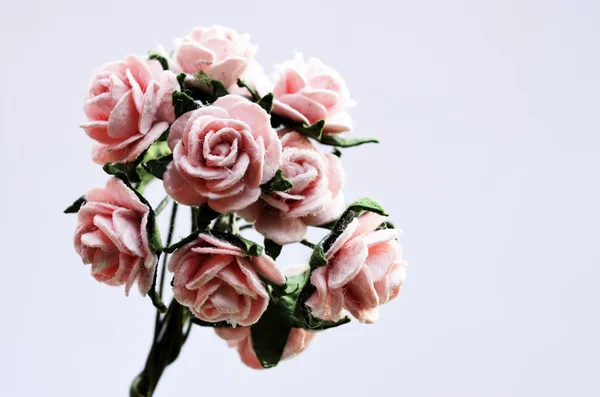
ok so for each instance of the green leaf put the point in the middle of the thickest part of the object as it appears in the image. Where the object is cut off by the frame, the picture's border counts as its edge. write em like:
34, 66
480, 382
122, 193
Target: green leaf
242, 84
250, 247
337, 152
334, 140
207, 89
272, 248
277, 184
297, 290
158, 166
266, 102
74, 208
270, 335
133, 170
183, 103
314, 131
318, 259
367, 204
289, 299
128, 170
163, 61
353, 210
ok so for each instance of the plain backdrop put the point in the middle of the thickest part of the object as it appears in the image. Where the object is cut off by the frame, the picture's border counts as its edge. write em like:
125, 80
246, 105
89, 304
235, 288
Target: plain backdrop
488, 116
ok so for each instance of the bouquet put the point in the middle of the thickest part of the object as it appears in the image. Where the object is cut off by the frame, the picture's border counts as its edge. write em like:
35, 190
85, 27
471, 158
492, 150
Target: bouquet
240, 150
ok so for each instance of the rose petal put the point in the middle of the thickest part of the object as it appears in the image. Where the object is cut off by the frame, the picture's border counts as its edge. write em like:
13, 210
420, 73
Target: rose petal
347, 263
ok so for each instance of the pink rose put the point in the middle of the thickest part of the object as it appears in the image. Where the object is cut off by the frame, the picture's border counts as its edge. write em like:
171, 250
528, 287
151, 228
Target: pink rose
365, 270
315, 198
221, 52
218, 282
128, 107
241, 339
222, 154
308, 92
111, 235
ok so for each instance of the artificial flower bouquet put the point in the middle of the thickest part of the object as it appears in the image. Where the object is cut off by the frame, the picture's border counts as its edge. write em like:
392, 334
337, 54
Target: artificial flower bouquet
240, 151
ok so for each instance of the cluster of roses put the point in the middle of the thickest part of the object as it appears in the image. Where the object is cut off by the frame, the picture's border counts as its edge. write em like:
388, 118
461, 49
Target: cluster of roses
232, 145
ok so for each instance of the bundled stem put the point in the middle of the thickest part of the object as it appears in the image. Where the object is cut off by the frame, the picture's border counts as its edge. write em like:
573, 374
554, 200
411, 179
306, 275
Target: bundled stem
164, 351
169, 335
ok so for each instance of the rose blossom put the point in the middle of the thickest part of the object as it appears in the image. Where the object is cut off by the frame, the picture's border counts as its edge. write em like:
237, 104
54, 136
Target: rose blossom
111, 235
219, 51
315, 198
308, 92
218, 282
128, 107
365, 270
241, 339
222, 154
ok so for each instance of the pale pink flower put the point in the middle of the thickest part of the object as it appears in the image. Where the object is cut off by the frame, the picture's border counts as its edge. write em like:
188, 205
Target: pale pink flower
219, 51
222, 154
308, 92
111, 235
128, 107
241, 339
365, 270
218, 282
315, 198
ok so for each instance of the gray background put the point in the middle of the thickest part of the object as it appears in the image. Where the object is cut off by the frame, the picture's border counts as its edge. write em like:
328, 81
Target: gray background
488, 113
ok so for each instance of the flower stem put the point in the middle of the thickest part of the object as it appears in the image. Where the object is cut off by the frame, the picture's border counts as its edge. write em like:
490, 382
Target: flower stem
168, 334
161, 283
308, 243
165, 349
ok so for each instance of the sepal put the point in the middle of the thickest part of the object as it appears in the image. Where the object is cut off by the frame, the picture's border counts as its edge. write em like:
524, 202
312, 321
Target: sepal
277, 184
272, 248
76, 206
248, 246
183, 103
266, 102
157, 167
161, 59
242, 84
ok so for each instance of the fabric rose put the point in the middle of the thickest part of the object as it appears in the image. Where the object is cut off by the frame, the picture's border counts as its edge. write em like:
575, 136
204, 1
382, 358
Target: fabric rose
315, 198
222, 154
111, 235
241, 339
365, 270
218, 282
308, 92
128, 106
219, 51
